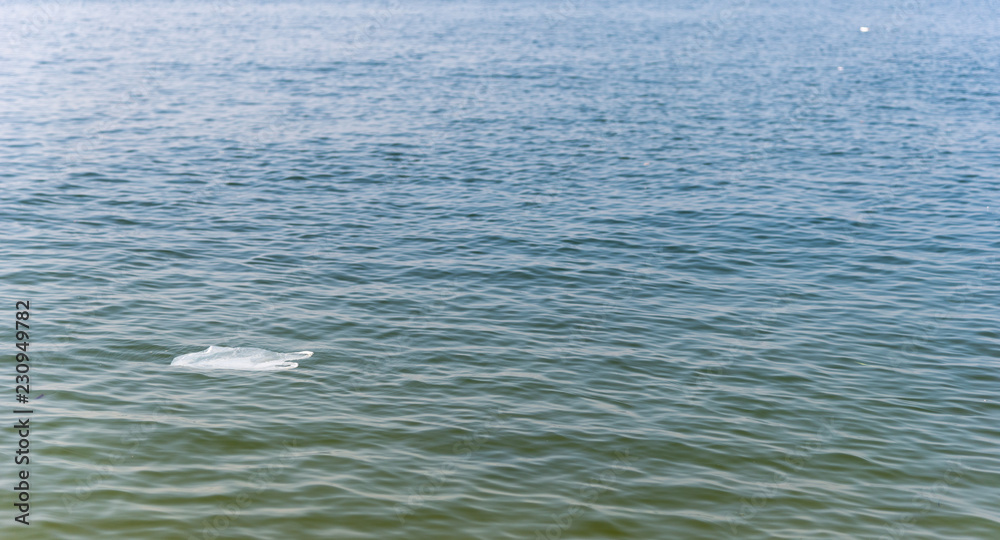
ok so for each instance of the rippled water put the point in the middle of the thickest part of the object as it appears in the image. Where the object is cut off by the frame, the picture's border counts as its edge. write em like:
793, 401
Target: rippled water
580, 270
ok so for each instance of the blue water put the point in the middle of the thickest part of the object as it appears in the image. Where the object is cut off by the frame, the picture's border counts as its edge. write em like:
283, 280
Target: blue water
576, 270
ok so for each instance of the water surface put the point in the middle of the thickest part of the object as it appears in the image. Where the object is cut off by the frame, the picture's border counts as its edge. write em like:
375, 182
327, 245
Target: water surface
588, 270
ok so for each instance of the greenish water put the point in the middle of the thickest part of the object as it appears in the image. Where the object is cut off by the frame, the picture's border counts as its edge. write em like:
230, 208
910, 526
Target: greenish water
573, 271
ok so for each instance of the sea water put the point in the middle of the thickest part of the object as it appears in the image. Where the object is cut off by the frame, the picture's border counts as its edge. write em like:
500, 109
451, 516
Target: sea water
578, 269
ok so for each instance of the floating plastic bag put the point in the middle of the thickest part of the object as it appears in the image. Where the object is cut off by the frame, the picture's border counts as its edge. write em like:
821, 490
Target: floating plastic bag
244, 358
